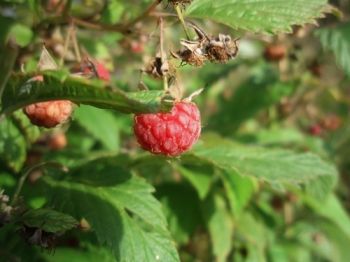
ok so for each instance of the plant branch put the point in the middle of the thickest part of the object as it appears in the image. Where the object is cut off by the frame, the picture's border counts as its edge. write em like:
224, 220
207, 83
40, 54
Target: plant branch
27, 172
146, 13
8, 57
66, 44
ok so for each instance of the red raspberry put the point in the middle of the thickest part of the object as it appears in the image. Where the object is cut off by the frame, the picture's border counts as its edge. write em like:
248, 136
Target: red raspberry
169, 134
48, 114
316, 130
102, 72
96, 69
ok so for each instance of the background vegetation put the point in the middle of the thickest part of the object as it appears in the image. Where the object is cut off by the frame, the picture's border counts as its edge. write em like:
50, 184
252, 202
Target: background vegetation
268, 180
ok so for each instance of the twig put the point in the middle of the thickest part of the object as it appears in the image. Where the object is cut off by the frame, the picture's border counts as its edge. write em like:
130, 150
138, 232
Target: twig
75, 44
8, 58
66, 44
27, 172
95, 26
144, 14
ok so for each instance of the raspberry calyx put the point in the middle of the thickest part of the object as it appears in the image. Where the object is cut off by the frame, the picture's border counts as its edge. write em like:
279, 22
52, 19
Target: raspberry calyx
169, 134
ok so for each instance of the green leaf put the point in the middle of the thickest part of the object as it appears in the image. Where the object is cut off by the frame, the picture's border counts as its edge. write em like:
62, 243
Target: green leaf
8, 55
101, 124
220, 226
30, 132
21, 34
58, 85
120, 209
263, 16
332, 210
254, 235
337, 39
85, 254
48, 220
200, 176
338, 240
12, 145
112, 12
182, 209
273, 165
257, 93
239, 190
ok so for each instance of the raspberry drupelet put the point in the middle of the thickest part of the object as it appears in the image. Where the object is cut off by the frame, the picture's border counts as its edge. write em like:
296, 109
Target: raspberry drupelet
169, 134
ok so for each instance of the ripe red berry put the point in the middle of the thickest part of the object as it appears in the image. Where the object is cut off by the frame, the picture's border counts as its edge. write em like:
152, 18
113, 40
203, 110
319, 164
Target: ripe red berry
137, 47
102, 72
316, 130
48, 114
171, 133
96, 69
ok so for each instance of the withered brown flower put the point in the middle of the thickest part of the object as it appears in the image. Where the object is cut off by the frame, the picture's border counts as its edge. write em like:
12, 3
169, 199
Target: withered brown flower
219, 49
156, 67
222, 49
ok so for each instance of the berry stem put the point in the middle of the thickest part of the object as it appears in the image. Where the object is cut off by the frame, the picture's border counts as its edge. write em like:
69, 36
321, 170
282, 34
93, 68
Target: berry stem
75, 43
66, 44
182, 20
162, 52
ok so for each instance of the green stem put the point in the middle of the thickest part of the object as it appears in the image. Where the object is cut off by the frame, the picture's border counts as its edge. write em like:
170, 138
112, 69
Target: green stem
8, 57
162, 53
182, 20
27, 172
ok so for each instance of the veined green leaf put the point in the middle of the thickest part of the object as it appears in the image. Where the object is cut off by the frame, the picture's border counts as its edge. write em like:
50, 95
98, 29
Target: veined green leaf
48, 220
337, 39
273, 165
263, 16
182, 208
220, 226
12, 145
101, 124
120, 209
20, 92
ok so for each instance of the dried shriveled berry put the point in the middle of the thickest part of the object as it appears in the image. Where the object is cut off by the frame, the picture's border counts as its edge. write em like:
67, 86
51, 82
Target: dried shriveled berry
39, 237
157, 68
222, 49
219, 49
180, 2
190, 57
171, 133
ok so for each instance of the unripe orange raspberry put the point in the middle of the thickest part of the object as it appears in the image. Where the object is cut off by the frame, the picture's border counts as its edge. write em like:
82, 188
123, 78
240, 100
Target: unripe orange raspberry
48, 114
57, 141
